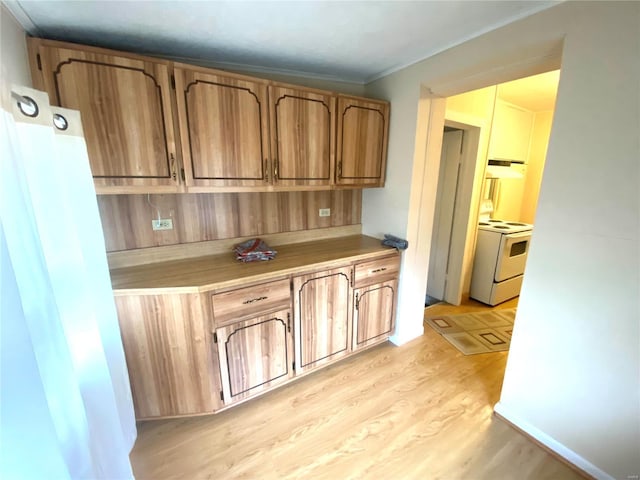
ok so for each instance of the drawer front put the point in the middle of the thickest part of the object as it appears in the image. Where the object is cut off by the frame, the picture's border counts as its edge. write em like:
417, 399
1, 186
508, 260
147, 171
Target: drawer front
377, 271
255, 300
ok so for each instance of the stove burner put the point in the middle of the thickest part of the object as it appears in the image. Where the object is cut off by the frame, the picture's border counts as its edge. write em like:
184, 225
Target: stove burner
484, 224
495, 221
503, 227
516, 224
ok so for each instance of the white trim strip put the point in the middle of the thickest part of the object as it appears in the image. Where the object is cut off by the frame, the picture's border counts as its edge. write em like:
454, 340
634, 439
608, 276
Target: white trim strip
21, 17
551, 443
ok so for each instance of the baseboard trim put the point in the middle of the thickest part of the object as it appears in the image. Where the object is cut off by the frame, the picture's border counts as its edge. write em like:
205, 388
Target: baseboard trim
400, 338
555, 448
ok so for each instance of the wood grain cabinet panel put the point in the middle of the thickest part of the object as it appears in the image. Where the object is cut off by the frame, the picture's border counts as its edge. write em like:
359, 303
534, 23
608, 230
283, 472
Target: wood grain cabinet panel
126, 111
361, 141
377, 271
236, 133
168, 345
255, 355
374, 313
224, 128
302, 138
322, 303
250, 301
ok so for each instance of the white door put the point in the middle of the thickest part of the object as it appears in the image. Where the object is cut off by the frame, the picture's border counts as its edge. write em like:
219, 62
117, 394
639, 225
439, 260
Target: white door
443, 221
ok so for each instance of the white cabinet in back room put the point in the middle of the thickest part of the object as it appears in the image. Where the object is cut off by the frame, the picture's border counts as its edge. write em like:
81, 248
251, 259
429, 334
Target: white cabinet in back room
510, 132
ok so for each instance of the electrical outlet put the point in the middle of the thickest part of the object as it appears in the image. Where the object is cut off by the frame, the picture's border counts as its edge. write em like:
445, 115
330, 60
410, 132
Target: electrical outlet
162, 224
324, 212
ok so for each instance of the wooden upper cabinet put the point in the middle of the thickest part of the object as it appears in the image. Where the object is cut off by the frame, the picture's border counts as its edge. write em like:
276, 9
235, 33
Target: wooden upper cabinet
218, 131
125, 104
223, 122
302, 139
361, 155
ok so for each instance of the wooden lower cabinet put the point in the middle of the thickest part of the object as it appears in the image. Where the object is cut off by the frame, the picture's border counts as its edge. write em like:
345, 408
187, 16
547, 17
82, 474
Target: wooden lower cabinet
322, 317
255, 355
374, 313
197, 353
168, 346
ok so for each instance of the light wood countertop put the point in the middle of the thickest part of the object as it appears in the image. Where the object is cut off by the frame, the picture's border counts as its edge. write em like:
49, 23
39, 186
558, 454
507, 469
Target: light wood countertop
217, 272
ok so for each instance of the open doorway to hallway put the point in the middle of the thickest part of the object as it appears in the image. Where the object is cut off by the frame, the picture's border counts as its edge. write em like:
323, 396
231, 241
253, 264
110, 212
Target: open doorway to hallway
514, 124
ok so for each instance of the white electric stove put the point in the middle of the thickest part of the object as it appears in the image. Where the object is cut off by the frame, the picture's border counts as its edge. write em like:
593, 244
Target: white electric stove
501, 255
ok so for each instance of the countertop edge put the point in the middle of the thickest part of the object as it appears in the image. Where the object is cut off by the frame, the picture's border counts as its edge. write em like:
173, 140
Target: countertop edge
254, 279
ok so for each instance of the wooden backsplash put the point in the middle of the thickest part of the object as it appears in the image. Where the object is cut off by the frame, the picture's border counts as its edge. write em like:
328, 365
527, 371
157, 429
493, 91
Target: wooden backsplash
197, 217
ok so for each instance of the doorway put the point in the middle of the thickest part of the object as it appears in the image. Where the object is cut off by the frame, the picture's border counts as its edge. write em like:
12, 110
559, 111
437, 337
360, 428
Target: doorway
454, 207
528, 104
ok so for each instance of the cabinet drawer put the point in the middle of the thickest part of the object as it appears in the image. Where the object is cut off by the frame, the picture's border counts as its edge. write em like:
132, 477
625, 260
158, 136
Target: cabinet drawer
377, 271
257, 299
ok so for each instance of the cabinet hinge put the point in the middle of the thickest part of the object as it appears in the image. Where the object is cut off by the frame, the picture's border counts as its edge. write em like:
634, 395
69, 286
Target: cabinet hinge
173, 81
288, 322
221, 395
39, 61
351, 277
182, 174
215, 337
293, 365
357, 302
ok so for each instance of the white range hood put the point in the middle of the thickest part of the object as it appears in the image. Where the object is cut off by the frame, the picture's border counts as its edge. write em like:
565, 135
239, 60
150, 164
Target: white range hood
504, 169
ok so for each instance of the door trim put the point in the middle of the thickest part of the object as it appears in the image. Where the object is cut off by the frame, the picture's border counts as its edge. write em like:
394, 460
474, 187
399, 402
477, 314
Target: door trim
463, 230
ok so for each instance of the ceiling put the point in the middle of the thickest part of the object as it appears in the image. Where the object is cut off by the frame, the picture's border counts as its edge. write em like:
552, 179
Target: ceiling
536, 93
356, 41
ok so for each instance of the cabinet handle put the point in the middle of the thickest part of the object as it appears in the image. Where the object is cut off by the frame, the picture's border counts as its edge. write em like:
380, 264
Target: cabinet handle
258, 299
275, 170
379, 270
288, 322
357, 302
173, 166
339, 169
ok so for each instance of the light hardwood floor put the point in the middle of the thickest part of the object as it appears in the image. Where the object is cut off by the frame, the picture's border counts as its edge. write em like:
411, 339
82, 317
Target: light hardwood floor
421, 411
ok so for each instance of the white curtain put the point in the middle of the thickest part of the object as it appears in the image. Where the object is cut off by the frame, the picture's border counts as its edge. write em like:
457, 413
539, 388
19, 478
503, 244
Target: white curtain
66, 408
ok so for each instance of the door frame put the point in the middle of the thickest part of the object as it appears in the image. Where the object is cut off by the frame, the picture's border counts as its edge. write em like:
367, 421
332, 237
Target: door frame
465, 217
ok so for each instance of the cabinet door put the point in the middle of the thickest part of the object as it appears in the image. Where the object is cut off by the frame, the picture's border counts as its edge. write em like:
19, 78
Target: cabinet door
169, 350
362, 141
126, 113
255, 355
374, 313
224, 130
510, 132
302, 125
323, 314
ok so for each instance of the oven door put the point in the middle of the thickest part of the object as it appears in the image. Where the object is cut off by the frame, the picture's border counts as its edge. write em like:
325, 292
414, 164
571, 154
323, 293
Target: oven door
512, 256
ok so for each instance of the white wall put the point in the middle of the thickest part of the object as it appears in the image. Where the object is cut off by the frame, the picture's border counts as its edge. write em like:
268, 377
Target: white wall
535, 166
573, 375
13, 51
473, 108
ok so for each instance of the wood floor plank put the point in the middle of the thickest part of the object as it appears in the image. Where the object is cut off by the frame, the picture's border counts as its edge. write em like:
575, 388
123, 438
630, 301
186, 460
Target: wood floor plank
421, 411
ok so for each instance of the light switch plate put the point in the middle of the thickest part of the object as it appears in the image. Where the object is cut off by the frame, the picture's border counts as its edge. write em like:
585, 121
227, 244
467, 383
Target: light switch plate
324, 212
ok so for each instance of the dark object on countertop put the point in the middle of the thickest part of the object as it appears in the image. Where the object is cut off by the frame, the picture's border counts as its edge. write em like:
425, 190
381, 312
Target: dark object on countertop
395, 242
254, 250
